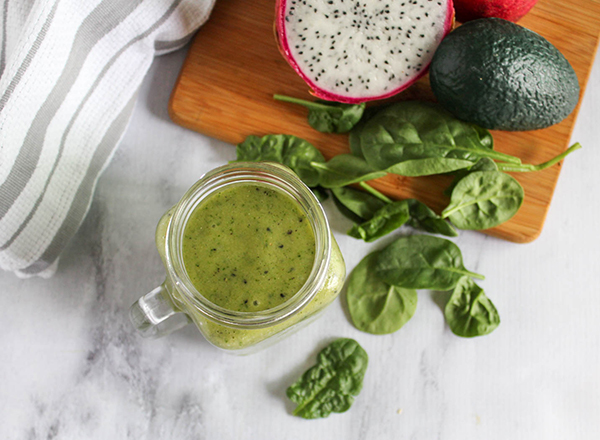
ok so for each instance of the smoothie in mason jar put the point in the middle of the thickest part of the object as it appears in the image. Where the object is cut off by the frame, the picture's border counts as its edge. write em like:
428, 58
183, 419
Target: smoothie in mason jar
249, 248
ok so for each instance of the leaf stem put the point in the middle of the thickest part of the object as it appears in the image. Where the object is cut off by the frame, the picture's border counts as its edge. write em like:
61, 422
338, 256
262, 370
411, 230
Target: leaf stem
308, 104
492, 154
542, 166
475, 275
375, 193
321, 166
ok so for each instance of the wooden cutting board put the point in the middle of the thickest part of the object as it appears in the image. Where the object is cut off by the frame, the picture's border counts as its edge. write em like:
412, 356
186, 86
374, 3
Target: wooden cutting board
233, 68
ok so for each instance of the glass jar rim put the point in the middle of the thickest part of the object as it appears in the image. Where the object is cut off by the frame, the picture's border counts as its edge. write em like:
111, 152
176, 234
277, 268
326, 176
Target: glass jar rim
266, 173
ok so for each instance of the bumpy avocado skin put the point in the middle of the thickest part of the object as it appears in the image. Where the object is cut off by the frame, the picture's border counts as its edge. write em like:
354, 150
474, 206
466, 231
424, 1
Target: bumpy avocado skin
502, 76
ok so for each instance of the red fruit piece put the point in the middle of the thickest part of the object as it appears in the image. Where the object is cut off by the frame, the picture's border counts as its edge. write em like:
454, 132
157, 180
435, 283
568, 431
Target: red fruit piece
511, 10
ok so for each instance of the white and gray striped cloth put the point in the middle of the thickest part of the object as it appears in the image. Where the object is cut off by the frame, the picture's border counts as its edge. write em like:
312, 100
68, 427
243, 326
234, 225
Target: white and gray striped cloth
70, 71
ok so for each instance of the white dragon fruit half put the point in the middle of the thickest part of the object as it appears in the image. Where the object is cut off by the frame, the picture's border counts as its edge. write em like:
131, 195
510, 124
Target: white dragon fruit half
356, 51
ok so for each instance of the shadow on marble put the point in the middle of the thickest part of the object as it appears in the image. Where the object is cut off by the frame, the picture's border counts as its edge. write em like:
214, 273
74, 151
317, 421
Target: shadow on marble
191, 334
161, 79
440, 298
337, 221
343, 303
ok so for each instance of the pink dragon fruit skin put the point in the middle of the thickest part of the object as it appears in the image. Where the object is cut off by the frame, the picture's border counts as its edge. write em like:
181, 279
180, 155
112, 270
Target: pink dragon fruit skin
393, 70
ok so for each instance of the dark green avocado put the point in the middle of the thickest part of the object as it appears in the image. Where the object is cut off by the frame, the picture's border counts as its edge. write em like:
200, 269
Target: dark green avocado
502, 76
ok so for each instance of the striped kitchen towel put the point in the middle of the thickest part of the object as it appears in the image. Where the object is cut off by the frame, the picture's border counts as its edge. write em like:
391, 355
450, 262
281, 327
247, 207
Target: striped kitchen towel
70, 71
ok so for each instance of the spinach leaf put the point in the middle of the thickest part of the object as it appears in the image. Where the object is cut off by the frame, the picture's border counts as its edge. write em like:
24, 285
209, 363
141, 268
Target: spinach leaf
385, 220
425, 166
328, 117
393, 215
483, 164
355, 139
330, 385
292, 151
345, 169
484, 199
376, 218
415, 138
369, 133
422, 217
422, 262
528, 167
469, 312
361, 205
376, 307
422, 159
346, 212
410, 122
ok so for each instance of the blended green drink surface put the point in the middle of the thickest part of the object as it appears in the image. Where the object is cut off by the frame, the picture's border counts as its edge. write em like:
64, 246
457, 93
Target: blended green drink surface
248, 248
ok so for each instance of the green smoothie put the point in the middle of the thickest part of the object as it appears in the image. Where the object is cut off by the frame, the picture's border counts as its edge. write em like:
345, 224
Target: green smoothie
248, 248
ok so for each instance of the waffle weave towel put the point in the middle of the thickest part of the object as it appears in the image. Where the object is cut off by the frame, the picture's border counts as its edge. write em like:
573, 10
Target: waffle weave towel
70, 71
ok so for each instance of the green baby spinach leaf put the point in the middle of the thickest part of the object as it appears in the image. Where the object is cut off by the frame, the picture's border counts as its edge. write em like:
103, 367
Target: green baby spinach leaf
415, 138
410, 122
361, 205
328, 117
292, 151
376, 218
330, 385
369, 133
469, 312
345, 211
355, 139
385, 220
423, 159
376, 307
393, 215
483, 164
484, 199
345, 169
422, 262
419, 159
423, 218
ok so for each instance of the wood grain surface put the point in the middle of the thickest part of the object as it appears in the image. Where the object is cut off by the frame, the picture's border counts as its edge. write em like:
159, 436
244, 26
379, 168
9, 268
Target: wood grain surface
233, 68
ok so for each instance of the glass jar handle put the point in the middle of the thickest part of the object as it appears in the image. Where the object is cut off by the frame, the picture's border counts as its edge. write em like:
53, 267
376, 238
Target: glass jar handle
153, 314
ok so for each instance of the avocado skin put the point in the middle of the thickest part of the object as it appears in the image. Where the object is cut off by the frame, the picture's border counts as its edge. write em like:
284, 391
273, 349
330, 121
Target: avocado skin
502, 76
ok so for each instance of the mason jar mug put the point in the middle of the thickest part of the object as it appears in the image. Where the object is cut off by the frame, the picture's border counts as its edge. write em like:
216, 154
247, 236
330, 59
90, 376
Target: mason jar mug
249, 257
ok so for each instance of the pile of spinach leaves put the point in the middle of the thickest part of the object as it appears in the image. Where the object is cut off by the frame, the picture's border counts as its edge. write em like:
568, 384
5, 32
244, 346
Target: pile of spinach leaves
374, 214
410, 138
382, 288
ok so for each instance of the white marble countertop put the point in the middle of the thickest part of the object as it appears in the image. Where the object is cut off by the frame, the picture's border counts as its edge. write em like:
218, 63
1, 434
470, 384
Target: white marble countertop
73, 368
